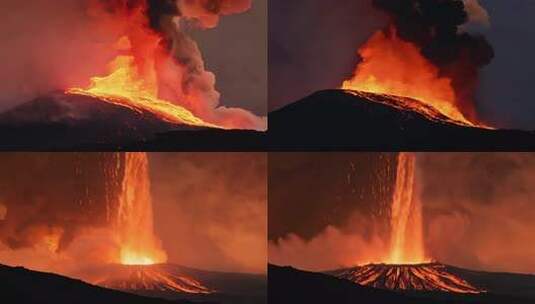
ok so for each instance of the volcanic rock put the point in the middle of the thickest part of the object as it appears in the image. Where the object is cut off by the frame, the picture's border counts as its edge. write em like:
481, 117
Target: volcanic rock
289, 285
174, 282
345, 120
20, 285
65, 122
419, 277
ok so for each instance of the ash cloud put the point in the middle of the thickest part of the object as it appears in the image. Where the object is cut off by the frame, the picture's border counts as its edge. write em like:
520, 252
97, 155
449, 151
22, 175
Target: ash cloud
45, 55
435, 26
332, 248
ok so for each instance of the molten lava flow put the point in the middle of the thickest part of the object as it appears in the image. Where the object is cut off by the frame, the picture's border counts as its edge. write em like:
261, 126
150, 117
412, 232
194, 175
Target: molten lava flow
391, 66
134, 225
161, 278
422, 277
406, 216
127, 86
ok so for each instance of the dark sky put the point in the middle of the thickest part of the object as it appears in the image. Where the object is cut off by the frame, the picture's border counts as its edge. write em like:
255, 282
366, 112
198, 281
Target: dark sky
313, 44
474, 205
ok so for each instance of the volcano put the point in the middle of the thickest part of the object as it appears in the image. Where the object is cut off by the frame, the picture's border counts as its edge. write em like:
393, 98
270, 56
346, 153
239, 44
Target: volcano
417, 277
149, 278
290, 285
21, 285
68, 122
175, 282
348, 120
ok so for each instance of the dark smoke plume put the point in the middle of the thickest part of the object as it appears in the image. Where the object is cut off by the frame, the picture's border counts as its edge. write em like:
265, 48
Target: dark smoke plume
437, 28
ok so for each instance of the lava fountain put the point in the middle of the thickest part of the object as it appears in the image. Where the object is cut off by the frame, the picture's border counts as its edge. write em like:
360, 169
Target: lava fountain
140, 266
407, 267
406, 216
394, 67
134, 223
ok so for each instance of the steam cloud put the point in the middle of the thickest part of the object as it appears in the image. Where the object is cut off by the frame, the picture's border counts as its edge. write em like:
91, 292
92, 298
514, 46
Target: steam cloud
333, 248
436, 28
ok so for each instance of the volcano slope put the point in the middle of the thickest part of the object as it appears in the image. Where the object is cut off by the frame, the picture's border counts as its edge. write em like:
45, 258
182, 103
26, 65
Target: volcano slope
174, 282
418, 277
20, 285
64, 122
344, 120
289, 285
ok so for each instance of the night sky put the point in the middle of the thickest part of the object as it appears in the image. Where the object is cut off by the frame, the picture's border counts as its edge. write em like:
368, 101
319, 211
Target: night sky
313, 45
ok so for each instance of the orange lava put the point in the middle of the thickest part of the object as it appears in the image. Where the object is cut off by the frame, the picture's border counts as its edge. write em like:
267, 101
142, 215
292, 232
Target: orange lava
421, 277
126, 86
134, 226
132, 78
406, 245
392, 66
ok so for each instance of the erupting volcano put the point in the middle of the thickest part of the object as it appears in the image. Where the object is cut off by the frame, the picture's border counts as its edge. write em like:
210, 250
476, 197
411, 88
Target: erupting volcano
139, 249
160, 69
426, 59
144, 83
134, 224
407, 267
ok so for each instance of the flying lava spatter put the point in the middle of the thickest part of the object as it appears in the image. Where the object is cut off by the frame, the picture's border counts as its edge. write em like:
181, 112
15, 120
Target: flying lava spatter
406, 216
134, 223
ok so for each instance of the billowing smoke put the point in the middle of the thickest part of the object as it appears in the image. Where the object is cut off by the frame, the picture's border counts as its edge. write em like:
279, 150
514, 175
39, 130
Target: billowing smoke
207, 13
436, 27
184, 77
333, 248
476, 13
345, 221
94, 27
